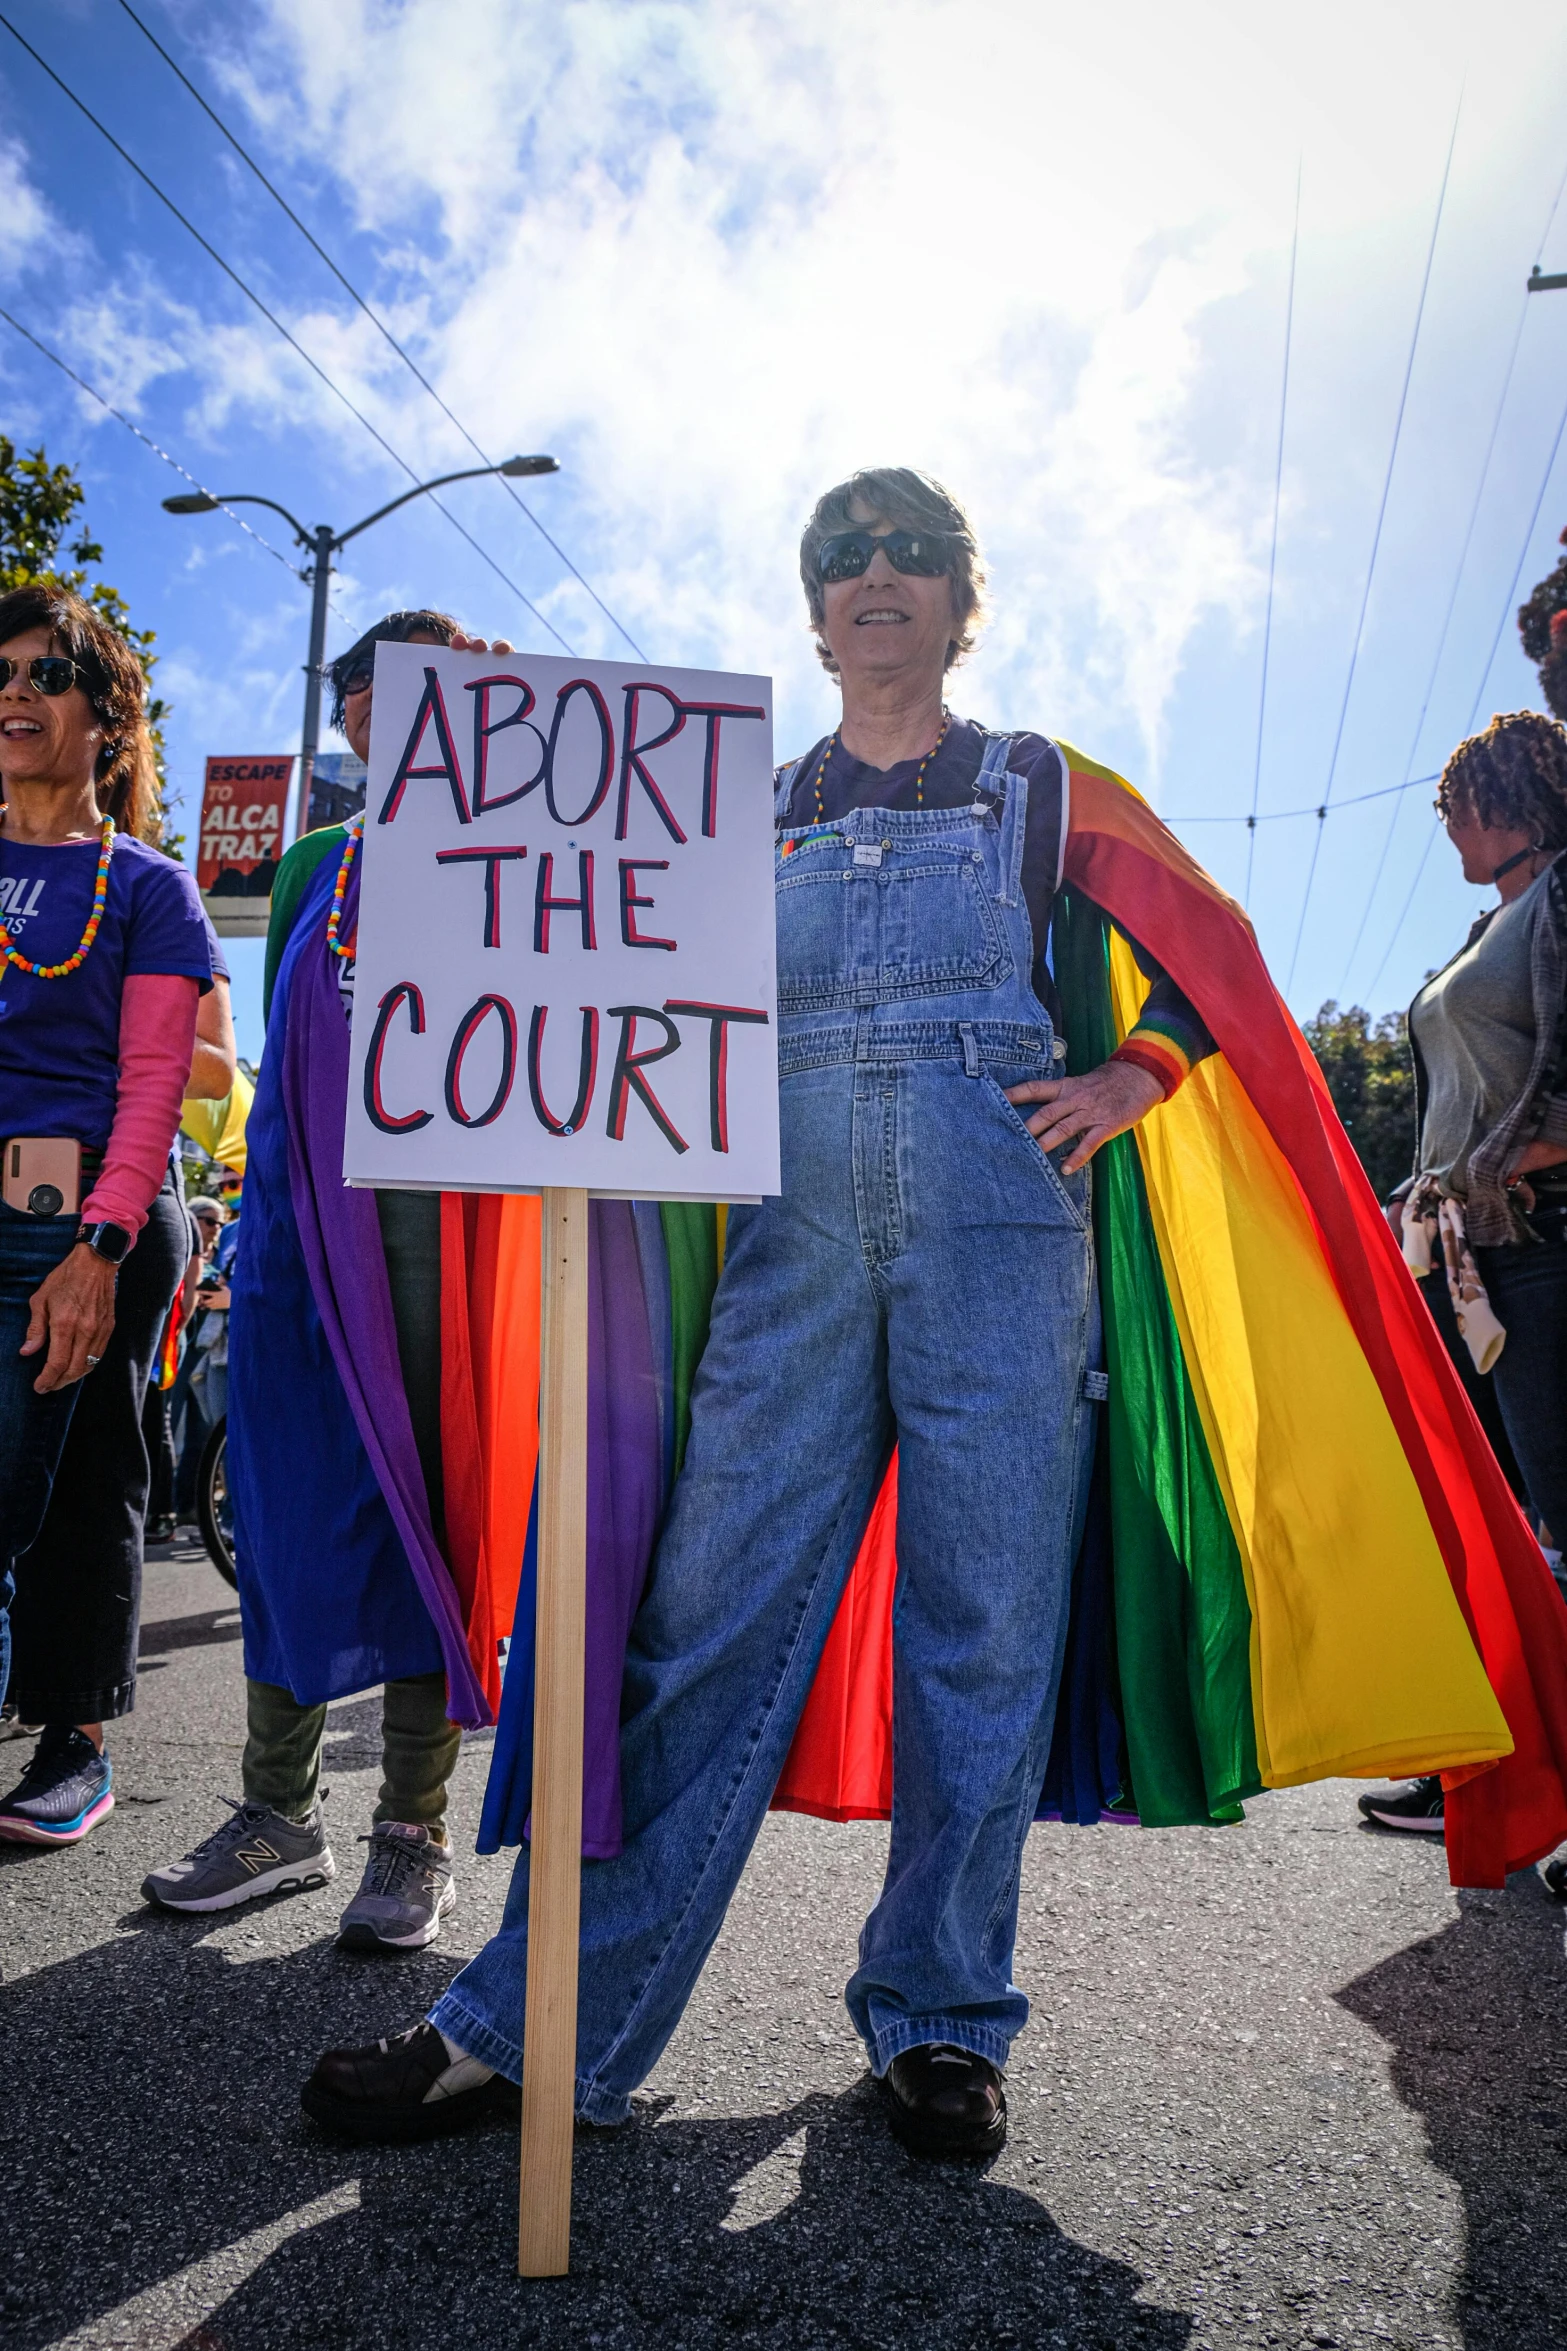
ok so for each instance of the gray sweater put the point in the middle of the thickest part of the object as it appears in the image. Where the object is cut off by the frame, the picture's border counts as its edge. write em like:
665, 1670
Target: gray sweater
1488, 1033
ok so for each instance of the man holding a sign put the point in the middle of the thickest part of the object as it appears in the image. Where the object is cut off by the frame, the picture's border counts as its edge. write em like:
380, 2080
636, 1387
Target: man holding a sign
1276, 1555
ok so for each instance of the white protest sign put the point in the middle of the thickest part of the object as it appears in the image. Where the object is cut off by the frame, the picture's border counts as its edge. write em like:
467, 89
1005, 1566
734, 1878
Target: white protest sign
565, 966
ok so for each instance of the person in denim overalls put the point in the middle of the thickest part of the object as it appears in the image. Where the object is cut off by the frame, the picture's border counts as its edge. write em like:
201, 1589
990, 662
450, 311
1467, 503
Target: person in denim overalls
926, 1279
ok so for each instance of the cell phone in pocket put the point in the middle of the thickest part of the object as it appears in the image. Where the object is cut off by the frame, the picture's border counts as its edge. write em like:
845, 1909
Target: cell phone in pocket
43, 1175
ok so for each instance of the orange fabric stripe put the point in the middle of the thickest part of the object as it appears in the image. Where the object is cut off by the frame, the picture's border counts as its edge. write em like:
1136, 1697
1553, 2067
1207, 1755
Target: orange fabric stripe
490, 1278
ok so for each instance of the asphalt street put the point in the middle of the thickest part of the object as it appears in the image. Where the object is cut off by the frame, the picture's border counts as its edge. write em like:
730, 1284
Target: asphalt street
1281, 2087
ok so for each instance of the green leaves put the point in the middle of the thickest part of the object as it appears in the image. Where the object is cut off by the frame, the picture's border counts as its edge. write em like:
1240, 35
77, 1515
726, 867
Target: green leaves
39, 505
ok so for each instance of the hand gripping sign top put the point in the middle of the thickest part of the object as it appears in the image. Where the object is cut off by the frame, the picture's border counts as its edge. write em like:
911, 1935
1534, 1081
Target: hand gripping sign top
565, 964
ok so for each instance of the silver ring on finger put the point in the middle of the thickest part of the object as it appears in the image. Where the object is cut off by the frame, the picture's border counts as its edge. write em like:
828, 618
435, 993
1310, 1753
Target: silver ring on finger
93, 1361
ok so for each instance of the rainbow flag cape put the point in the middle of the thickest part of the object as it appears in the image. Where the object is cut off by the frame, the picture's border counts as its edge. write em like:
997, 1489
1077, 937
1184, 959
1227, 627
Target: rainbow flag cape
1301, 1558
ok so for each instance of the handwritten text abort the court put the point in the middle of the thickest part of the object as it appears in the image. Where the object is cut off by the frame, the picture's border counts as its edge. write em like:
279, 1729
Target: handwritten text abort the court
514, 894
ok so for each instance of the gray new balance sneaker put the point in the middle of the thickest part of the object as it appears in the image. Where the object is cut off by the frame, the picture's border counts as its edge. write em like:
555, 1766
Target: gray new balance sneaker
256, 1851
407, 1891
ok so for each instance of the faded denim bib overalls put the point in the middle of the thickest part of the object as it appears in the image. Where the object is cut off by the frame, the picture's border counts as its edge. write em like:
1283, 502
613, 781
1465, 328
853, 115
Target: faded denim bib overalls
926, 1279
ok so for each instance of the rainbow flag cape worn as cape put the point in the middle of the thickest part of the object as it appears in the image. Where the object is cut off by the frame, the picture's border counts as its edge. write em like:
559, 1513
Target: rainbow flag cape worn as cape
344, 1580
1314, 1565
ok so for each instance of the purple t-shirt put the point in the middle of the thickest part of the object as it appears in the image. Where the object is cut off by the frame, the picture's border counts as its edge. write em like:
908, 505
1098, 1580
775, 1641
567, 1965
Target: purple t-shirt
60, 1039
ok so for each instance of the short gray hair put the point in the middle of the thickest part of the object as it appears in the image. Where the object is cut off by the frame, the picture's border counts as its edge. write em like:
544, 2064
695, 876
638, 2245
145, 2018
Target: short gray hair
909, 501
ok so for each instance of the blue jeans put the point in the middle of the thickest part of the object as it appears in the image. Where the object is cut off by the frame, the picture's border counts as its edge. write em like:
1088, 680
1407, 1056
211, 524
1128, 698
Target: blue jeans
926, 1278
1527, 1286
32, 1427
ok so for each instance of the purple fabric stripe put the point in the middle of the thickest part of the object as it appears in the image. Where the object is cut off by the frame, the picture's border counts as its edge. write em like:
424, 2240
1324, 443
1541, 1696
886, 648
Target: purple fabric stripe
624, 1464
339, 1231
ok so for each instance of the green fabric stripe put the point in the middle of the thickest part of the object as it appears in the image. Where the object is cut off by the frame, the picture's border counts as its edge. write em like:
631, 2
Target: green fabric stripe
691, 1242
288, 886
1183, 1622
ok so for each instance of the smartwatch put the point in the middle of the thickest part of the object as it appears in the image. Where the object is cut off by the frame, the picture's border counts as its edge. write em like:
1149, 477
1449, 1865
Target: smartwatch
109, 1241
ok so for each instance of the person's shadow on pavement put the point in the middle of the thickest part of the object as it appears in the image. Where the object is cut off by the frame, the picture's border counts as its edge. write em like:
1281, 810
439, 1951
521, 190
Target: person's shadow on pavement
806, 2226
159, 2078
1476, 2018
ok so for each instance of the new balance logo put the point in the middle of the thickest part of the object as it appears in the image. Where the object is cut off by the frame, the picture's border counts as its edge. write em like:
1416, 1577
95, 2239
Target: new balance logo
256, 1856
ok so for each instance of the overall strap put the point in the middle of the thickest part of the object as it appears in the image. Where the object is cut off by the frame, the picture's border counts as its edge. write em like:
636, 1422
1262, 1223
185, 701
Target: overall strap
786, 779
997, 780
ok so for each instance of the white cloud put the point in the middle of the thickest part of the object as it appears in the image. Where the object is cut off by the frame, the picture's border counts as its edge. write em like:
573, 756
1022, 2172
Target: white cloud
717, 254
29, 232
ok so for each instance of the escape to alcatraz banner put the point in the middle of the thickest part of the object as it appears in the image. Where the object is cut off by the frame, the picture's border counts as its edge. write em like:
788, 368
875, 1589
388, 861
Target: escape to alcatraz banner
564, 963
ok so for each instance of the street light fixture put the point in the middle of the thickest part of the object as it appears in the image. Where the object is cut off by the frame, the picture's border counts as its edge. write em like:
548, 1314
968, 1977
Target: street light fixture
322, 544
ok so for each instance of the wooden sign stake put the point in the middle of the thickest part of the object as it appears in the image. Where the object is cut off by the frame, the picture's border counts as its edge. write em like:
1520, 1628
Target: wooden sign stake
549, 2064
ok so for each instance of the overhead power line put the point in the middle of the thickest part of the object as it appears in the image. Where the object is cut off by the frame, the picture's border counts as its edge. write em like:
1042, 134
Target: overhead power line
1316, 809
93, 393
1376, 536
1485, 674
1273, 544
376, 321
1550, 219
274, 321
1561, 189
1447, 622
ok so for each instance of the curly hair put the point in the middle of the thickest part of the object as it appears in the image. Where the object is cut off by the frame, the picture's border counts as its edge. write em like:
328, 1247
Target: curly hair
1514, 776
1542, 625
909, 501
395, 629
126, 773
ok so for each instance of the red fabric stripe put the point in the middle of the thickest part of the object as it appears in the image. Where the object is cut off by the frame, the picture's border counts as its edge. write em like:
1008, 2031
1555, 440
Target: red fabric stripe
1123, 858
840, 1765
1168, 1072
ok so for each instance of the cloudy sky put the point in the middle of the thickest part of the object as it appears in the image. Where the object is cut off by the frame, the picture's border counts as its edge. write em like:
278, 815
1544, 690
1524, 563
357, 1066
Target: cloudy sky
714, 255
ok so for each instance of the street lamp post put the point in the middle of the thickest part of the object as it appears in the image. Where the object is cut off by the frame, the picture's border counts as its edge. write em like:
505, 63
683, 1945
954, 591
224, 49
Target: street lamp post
322, 544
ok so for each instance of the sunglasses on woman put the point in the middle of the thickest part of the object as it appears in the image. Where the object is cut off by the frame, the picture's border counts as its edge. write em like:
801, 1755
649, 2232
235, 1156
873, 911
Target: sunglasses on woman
921, 555
357, 679
49, 673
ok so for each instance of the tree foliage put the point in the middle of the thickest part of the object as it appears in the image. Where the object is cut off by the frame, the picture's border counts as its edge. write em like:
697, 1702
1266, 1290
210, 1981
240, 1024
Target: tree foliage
40, 506
1372, 1081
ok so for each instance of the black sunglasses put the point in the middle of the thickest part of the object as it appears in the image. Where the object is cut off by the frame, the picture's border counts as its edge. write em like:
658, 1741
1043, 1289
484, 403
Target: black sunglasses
922, 555
50, 673
355, 680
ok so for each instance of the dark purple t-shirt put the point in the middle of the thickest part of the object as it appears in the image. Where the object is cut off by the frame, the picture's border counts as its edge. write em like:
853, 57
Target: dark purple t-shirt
847, 782
60, 1039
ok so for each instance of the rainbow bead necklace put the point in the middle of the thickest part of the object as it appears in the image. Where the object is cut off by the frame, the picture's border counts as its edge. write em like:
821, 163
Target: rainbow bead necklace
356, 825
61, 971
353, 830
919, 780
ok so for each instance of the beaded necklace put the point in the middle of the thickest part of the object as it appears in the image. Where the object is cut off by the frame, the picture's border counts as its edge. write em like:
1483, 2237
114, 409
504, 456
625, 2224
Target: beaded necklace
919, 780
61, 971
356, 825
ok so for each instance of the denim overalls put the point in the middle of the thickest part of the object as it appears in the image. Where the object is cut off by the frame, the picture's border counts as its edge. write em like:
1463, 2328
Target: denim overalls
926, 1279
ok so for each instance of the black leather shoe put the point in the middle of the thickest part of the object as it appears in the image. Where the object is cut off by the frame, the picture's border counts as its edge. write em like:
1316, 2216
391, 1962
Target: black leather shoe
1556, 1878
945, 2103
399, 2090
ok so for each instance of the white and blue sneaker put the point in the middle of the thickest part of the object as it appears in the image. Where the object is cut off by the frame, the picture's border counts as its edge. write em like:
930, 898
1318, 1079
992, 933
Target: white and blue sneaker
65, 1791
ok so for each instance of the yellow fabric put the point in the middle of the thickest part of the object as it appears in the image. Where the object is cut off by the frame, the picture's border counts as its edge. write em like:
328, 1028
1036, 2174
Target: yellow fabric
219, 1127
1361, 1660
